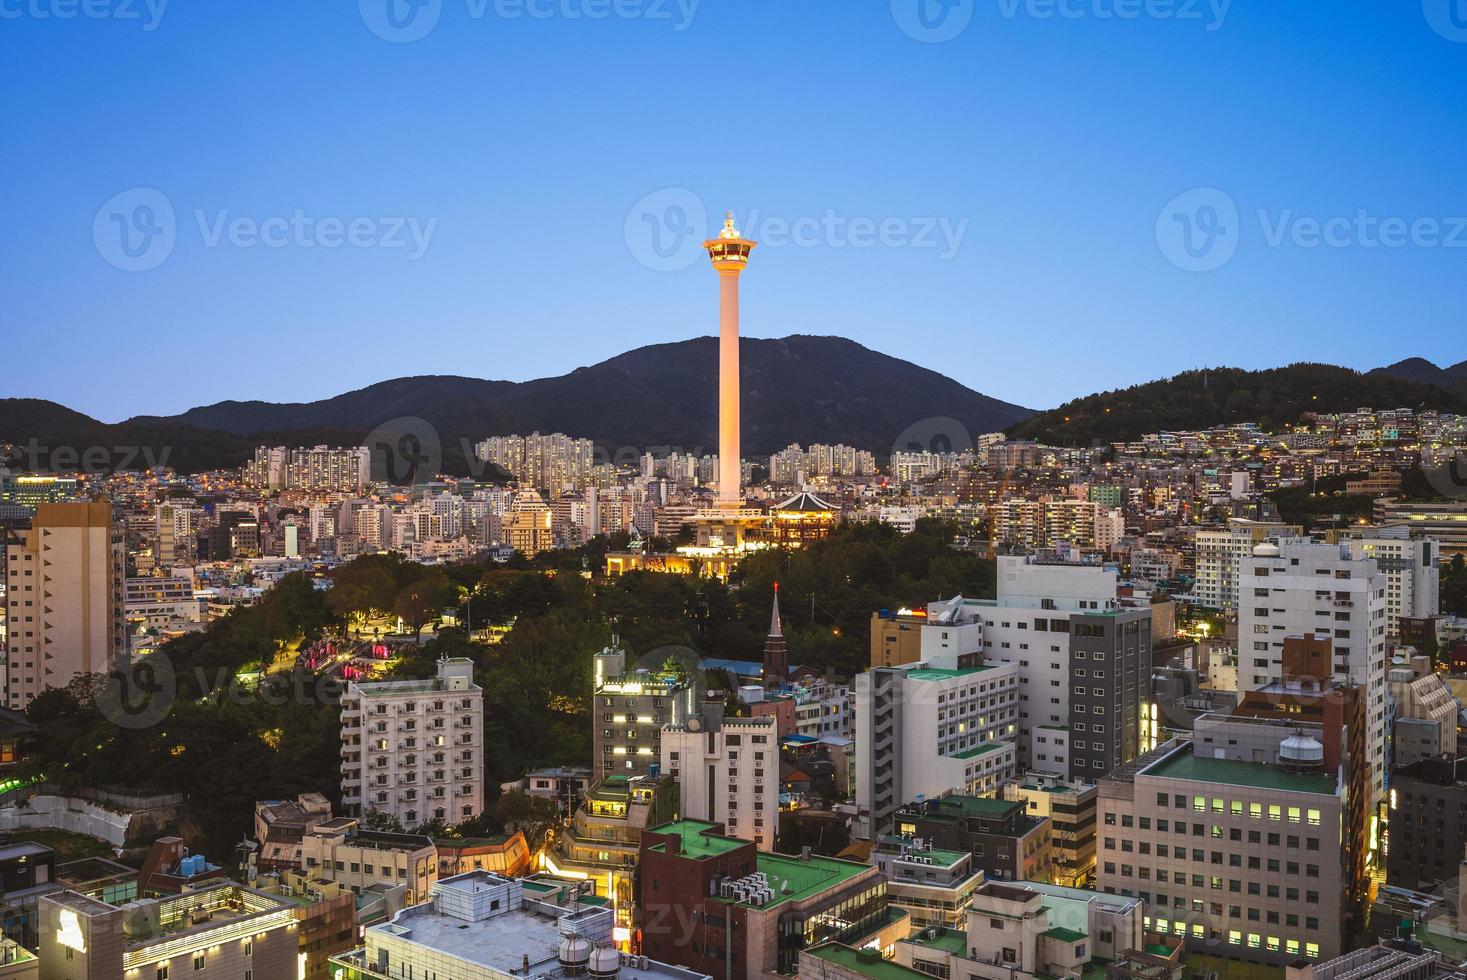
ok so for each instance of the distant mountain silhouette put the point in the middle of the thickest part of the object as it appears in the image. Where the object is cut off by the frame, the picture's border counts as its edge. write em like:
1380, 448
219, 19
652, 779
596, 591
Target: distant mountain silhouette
1222, 396
1422, 371
801, 389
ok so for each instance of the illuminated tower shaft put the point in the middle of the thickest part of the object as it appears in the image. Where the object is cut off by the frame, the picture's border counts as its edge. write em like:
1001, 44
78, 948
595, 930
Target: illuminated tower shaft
729, 253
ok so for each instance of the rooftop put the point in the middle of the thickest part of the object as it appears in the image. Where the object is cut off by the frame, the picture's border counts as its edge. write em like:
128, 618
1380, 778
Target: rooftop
978, 750
949, 940
1184, 765
943, 674
697, 841
487, 920
794, 879
958, 807
868, 963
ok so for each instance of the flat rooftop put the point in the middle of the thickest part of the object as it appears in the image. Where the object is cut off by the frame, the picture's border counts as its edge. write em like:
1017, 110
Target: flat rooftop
504, 940
867, 963
794, 879
697, 842
1184, 765
943, 673
978, 750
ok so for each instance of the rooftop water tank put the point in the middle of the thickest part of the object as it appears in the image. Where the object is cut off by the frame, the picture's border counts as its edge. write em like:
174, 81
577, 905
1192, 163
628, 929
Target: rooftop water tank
605, 963
575, 953
1266, 550
1301, 753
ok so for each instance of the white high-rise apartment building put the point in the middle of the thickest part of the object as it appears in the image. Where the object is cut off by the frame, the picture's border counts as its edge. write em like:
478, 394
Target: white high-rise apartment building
926, 729
1218, 554
727, 771
1410, 566
64, 599
1299, 587
415, 749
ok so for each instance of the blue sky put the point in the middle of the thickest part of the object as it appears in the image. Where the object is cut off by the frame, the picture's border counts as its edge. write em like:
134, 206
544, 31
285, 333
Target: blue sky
1037, 206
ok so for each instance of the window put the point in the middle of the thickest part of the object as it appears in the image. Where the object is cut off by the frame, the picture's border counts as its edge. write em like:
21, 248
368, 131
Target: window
198, 961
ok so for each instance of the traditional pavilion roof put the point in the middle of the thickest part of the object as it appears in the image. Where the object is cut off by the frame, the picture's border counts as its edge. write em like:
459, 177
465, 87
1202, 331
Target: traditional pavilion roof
804, 501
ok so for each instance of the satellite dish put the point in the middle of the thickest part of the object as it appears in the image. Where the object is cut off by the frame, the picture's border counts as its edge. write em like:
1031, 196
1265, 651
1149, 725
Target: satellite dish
695, 724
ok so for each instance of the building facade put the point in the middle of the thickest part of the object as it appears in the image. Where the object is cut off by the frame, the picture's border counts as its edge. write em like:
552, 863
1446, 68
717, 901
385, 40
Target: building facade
414, 750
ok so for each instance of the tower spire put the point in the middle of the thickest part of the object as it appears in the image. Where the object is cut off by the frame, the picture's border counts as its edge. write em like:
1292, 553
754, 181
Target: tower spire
776, 654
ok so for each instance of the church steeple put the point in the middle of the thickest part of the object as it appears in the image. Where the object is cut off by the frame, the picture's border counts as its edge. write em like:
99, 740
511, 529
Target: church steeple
776, 654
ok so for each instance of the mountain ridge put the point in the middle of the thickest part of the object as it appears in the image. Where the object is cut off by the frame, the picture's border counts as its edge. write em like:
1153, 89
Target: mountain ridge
800, 388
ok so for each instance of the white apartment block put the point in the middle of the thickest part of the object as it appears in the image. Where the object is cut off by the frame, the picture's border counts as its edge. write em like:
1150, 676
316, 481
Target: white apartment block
1298, 587
1410, 566
925, 730
727, 771
1218, 554
415, 749
64, 605
1084, 662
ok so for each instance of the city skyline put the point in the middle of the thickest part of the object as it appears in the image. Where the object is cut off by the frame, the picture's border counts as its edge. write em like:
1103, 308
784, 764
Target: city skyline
977, 235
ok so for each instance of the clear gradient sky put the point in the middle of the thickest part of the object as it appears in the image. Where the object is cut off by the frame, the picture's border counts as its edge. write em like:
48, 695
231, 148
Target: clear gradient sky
1002, 206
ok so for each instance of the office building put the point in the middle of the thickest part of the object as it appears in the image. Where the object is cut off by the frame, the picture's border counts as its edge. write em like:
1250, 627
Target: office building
727, 771
926, 730
1444, 522
1302, 588
1030, 931
340, 850
1410, 567
1007, 843
1218, 554
1427, 831
1239, 845
933, 886
725, 908
1070, 807
529, 526
223, 931
1426, 713
601, 844
414, 750
64, 608
632, 706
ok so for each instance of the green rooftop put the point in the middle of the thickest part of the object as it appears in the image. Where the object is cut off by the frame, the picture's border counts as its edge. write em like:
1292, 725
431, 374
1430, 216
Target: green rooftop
1064, 935
1185, 765
806, 878
976, 751
943, 674
953, 941
697, 843
956, 807
867, 962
